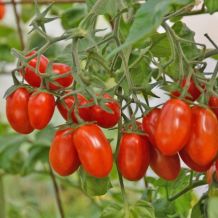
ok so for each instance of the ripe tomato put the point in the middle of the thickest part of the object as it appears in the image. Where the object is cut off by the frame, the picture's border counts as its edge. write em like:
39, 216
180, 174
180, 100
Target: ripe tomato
167, 167
29, 74
213, 103
17, 112
191, 164
193, 91
84, 113
149, 124
104, 118
94, 150
133, 156
2, 10
63, 156
65, 81
173, 127
40, 109
202, 146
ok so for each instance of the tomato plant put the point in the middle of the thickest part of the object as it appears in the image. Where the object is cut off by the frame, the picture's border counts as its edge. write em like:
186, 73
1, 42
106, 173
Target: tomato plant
105, 84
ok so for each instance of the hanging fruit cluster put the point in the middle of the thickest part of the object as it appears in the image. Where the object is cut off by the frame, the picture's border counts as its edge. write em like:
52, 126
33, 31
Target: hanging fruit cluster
164, 134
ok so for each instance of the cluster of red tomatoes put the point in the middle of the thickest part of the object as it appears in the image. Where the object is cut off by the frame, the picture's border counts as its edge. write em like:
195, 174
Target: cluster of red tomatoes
175, 130
2, 10
28, 110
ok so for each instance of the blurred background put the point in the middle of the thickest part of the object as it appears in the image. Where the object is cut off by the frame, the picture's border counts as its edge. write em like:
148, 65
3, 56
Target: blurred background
30, 192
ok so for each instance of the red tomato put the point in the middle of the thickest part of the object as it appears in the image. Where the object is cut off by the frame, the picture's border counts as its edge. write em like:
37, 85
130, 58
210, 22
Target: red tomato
84, 113
63, 156
133, 156
173, 127
191, 164
40, 109
17, 112
149, 124
202, 146
213, 103
29, 74
104, 118
167, 167
94, 150
193, 91
65, 81
2, 10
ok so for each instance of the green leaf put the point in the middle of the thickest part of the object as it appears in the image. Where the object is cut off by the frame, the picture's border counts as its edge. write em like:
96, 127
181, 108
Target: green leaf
102, 7
212, 207
45, 136
36, 154
212, 5
198, 210
138, 210
72, 17
113, 210
11, 155
94, 186
147, 19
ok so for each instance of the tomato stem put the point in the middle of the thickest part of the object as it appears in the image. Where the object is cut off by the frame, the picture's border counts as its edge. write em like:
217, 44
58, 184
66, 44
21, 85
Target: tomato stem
57, 193
187, 189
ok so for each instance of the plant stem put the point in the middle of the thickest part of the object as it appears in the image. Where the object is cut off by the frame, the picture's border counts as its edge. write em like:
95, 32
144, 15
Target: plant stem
2, 198
17, 18
187, 189
45, 2
57, 193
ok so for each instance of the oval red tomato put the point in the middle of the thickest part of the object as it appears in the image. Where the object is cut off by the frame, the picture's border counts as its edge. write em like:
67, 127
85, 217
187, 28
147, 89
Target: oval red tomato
149, 124
40, 109
84, 113
29, 74
173, 127
166, 167
94, 150
213, 103
64, 81
2, 10
17, 112
104, 118
202, 146
191, 164
63, 156
193, 91
133, 156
